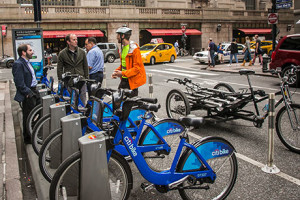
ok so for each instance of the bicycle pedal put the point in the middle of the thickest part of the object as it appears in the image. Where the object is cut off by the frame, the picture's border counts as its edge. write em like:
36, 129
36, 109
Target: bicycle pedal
146, 187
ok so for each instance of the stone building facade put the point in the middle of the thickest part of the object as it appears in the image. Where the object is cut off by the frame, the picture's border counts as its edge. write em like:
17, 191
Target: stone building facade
143, 16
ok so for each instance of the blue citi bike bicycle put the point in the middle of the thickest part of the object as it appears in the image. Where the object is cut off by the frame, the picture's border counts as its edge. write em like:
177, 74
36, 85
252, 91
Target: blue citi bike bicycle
167, 131
206, 169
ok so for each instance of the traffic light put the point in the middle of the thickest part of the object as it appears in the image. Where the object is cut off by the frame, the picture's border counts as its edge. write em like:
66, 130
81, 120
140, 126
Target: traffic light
37, 10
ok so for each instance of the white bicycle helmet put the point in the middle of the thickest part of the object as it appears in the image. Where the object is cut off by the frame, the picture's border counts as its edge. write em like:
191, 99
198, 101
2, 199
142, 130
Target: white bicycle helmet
124, 30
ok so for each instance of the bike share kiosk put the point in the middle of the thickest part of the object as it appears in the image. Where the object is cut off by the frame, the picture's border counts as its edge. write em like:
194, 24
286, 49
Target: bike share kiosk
94, 180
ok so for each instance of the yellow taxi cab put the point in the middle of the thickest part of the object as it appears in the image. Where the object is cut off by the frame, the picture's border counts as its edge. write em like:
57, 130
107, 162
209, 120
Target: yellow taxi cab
156, 53
266, 46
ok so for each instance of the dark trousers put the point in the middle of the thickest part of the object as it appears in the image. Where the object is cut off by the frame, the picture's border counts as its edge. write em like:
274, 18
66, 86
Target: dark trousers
124, 84
98, 76
27, 105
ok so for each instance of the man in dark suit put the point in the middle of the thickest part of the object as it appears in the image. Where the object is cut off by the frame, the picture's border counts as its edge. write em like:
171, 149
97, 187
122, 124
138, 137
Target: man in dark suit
25, 82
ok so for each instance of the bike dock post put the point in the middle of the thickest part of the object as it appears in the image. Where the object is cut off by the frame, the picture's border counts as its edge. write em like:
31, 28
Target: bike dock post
46, 102
150, 86
270, 167
94, 181
57, 112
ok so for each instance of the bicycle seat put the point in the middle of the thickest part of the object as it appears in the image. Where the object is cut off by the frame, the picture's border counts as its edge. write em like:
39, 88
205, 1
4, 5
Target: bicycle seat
191, 120
246, 72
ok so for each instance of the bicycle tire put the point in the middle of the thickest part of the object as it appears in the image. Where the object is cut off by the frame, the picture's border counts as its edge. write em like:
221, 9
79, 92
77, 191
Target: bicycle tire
289, 137
36, 139
227, 171
116, 164
33, 117
51, 143
224, 87
170, 130
181, 110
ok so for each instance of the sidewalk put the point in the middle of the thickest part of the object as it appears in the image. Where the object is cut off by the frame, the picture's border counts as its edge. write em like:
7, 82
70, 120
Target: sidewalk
235, 68
10, 187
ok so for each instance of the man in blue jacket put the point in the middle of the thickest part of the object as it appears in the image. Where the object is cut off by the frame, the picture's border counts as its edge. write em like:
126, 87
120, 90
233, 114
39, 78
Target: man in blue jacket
25, 82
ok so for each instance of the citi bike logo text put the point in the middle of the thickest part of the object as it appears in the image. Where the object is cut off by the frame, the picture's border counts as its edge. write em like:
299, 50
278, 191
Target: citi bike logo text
130, 145
174, 130
218, 152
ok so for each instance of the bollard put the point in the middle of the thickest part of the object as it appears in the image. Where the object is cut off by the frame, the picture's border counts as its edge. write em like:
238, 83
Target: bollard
150, 86
104, 79
270, 167
265, 62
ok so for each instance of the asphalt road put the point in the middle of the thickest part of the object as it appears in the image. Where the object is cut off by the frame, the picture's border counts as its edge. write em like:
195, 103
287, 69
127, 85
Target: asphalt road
250, 142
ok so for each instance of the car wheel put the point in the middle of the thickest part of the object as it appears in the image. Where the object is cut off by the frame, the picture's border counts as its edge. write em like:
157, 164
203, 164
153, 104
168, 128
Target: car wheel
293, 77
9, 64
111, 58
152, 60
172, 59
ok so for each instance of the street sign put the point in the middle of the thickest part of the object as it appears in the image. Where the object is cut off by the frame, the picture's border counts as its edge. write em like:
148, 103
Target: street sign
183, 27
283, 1
284, 5
272, 18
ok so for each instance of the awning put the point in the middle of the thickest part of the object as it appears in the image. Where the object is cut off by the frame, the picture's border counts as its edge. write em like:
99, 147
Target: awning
256, 31
169, 32
79, 33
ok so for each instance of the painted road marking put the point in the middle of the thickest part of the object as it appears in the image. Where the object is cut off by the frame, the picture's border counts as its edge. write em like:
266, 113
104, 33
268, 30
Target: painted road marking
257, 164
174, 73
192, 72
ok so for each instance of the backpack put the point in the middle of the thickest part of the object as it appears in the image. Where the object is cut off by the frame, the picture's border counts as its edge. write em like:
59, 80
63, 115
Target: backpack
215, 48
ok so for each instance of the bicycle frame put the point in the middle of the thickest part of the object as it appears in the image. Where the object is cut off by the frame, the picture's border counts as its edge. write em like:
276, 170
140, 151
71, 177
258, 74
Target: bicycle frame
165, 177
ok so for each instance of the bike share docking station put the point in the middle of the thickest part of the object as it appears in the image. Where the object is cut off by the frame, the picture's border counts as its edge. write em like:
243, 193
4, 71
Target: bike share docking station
94, 181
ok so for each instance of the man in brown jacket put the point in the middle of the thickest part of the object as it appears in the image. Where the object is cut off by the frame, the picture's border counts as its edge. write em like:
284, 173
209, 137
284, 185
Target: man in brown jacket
73, 59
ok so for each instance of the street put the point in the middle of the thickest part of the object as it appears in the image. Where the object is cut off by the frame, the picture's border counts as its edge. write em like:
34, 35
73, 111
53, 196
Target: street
251, 143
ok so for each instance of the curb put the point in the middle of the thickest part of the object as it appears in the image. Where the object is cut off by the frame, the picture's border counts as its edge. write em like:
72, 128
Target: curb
11, 180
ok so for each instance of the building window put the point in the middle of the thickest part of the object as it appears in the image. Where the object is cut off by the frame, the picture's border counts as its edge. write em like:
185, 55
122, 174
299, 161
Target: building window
50, 2
137, 3
250, 4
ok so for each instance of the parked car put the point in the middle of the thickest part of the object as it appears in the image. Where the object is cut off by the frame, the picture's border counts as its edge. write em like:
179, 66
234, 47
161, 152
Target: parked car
202, 56
110, 51
156, 53
266, 46
7, 61
286, 54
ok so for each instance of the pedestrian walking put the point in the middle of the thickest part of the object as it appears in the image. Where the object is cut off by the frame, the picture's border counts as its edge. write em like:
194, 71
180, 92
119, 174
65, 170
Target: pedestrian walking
220, 53
73, 59
258, 50
176, 45
212, 48
48, 55
247, 51
95, 61
233, 51
25, 82
131, 70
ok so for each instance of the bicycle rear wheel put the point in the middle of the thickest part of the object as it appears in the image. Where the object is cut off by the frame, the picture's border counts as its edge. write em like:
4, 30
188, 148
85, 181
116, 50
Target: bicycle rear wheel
37, 133
288, 134
50, 155
120, 178
220, 156
177, 104
34, 115
170, 130
224, 87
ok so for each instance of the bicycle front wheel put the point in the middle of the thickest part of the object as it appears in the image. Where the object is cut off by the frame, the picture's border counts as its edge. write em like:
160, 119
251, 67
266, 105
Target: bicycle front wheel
177, 104
34, 115
170, 130
220, 156
119, 173
288, 126
37, 133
